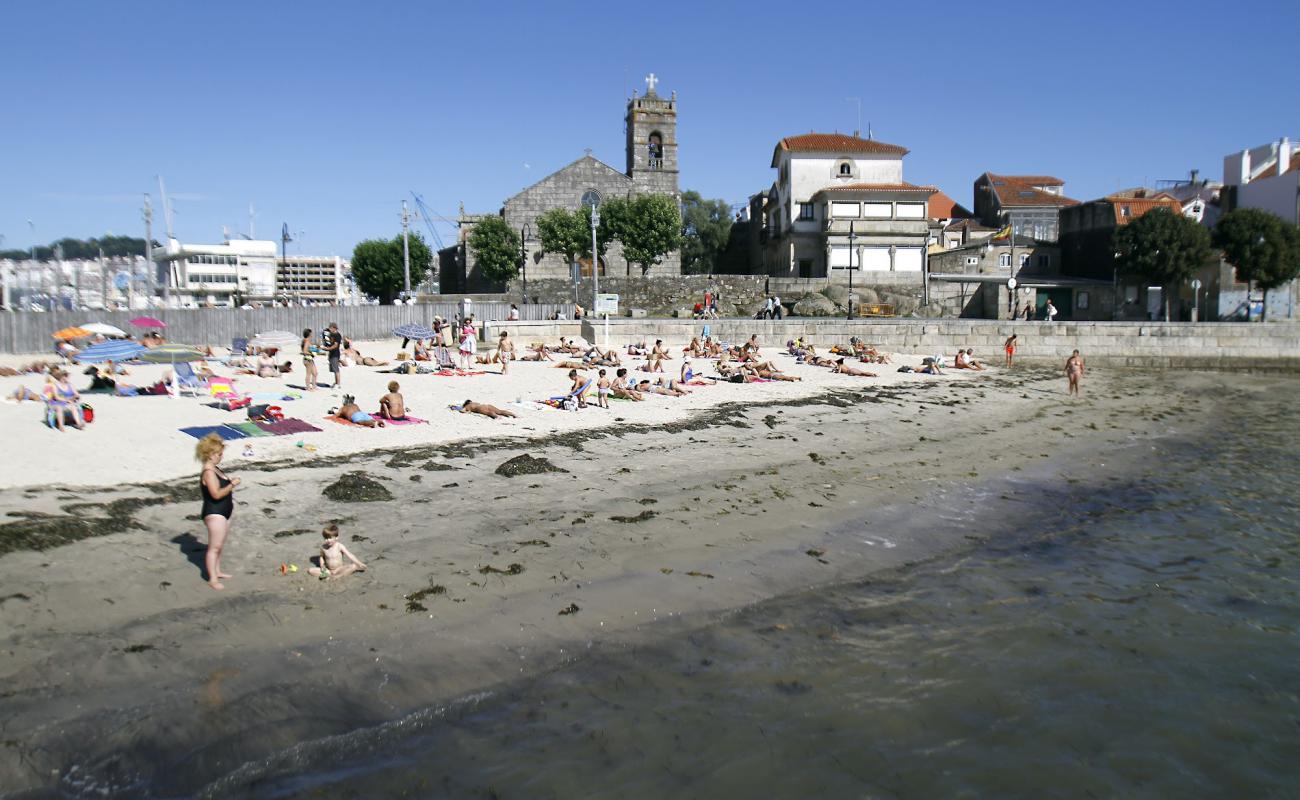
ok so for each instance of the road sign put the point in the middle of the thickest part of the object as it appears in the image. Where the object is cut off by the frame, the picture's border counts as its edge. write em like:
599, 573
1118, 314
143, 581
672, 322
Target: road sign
606, 304
1196, 283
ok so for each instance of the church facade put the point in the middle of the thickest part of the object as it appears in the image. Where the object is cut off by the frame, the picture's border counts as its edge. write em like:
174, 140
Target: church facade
651, 168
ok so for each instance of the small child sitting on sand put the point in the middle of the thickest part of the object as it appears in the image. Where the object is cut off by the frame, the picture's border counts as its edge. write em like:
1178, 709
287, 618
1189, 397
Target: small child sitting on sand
332, 553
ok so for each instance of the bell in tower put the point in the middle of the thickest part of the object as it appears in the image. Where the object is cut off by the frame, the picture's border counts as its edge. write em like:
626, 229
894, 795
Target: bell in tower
652, 141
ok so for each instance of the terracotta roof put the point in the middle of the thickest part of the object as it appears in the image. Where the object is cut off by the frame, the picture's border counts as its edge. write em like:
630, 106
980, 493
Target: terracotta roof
1018, 190
944, 207
1137, 206
878, 187
834, 143
968, 224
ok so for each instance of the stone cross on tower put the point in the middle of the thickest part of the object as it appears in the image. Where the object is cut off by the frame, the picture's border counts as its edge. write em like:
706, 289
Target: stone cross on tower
650, 81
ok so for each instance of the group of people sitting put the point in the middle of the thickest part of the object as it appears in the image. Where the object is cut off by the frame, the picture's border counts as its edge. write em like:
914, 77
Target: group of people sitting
392, 407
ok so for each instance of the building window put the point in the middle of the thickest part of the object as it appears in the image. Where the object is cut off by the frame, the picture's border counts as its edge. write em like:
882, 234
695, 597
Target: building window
844, 210
911, 210
972, 261
1004, 260
805, 211
655, 150
1081, 300
845, 168
885, 210
1044, 260
1125, 211
591, 197
1024, 260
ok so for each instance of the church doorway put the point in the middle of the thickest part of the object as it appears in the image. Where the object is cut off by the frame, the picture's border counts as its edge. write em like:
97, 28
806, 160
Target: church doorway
584, 267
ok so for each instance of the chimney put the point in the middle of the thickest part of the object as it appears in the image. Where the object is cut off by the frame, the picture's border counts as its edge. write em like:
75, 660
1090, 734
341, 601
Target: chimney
1283, 155
1196, 173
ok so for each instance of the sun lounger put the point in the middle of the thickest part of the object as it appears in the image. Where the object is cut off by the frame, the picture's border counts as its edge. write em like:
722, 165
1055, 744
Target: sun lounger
186, 379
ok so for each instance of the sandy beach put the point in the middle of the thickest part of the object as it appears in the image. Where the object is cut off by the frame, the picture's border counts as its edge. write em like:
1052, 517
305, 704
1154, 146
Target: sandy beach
657, 516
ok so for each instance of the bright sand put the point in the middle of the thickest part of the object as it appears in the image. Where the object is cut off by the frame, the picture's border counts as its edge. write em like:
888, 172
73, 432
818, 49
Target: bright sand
668, 511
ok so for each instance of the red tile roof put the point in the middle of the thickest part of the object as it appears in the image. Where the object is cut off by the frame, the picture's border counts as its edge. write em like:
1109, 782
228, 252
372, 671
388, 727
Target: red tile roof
878, 187
944, 207
1271, 170
838, 143
1019, 190
968, 224
1137, 206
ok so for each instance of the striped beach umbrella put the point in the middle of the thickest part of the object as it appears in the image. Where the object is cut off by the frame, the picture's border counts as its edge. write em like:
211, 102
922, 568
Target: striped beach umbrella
111, 350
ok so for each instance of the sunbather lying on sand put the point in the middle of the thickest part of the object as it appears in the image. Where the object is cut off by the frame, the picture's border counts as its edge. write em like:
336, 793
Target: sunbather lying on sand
838, 367
352, 412
470, 407
540, 353
670, 389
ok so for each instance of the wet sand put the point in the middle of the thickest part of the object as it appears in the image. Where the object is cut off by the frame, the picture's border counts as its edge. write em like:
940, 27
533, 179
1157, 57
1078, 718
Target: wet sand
479, 578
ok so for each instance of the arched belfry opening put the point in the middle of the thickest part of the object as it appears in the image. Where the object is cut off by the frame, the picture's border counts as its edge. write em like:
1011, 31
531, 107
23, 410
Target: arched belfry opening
655, 148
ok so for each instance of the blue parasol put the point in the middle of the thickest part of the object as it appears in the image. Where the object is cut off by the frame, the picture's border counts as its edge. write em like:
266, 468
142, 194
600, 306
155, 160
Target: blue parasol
413, 330
111, 350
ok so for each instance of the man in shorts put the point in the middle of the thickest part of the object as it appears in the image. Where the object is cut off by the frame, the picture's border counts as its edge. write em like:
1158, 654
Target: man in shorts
334, 349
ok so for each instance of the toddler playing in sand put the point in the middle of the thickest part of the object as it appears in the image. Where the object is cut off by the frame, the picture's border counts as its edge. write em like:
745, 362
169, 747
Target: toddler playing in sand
332, 553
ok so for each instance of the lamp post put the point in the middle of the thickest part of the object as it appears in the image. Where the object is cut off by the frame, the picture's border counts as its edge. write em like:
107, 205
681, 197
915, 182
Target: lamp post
524, 233
853, 239
595, 266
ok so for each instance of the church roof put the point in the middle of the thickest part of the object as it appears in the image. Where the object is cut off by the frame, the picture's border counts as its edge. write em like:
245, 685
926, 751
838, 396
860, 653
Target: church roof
596, 161
834, 143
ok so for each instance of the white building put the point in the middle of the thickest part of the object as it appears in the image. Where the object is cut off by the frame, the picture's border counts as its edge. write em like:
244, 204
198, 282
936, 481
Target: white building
840, 203
1266, 177
249, 270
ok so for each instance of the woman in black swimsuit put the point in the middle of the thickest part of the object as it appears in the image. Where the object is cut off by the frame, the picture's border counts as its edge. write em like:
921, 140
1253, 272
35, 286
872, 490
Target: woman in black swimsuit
218, 503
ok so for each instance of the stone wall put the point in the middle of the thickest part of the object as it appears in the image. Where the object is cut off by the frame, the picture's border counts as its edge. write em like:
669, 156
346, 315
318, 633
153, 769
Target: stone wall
662, 295
1222, 345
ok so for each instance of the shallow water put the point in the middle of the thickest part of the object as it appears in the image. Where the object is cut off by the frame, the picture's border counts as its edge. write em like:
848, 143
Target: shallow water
1134, 634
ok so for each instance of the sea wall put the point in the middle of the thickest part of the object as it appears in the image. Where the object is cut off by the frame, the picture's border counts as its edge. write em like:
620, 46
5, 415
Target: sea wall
1212, 345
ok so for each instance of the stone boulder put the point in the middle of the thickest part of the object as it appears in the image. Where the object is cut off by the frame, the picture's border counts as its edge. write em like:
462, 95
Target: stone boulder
837, 294
814, 305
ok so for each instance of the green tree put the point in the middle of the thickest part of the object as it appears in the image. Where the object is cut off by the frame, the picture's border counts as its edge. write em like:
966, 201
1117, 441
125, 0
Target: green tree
1264, 249
649, 226
378, 269
1163, 248
496, 249
706, 231
568, 233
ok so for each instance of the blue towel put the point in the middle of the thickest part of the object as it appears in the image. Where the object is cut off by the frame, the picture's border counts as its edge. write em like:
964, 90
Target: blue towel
199, 431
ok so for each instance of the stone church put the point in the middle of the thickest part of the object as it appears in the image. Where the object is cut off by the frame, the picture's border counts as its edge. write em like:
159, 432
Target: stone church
651, 124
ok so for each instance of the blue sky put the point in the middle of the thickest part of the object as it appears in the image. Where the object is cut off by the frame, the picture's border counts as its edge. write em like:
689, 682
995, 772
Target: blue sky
325, 114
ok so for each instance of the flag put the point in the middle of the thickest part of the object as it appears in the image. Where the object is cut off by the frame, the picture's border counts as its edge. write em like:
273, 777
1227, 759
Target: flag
1004, 233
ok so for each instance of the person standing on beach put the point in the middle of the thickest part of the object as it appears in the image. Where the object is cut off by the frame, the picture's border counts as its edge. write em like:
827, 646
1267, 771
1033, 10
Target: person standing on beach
1010, 346
308, 360
1073, 372
334, 350
218, 504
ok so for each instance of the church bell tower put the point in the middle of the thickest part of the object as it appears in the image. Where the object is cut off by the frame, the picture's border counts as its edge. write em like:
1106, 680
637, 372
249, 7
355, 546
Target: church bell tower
652, 141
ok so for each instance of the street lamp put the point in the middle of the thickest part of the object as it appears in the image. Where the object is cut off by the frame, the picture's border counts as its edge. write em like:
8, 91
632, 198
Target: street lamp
853, 238
595, 267
524, 233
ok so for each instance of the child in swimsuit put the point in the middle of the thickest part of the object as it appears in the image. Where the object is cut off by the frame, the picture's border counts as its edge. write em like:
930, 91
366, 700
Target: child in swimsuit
332, 553
602, 390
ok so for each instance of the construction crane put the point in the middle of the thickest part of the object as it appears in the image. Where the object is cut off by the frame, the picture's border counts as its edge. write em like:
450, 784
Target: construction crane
428, 216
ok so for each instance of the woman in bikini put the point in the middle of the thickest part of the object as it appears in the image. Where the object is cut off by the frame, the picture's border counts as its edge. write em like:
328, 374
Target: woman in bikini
839, 368
308, 360
218, 504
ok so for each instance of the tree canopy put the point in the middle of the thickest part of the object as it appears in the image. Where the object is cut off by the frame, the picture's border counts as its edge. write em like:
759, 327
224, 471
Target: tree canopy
1162, 247
377, 265
75, 249
496, 249
648, 225
1264, 249
706, 232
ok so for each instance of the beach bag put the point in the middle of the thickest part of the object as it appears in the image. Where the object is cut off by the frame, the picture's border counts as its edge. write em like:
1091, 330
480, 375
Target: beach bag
905, 369
87, 413
274, 413
257, 413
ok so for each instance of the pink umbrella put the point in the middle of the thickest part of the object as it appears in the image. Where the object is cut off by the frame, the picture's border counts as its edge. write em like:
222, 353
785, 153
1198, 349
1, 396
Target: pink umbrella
148, 322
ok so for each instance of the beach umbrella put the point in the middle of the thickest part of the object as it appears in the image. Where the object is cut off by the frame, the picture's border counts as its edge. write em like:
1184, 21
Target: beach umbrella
104, 328
72, 333
172, 354
278, 339
148, 322
413, 330
111, 350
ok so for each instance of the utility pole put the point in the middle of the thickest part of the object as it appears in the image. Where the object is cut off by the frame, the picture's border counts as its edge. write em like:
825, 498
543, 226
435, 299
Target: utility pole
406, 250
103, 280
595, 264
148, 246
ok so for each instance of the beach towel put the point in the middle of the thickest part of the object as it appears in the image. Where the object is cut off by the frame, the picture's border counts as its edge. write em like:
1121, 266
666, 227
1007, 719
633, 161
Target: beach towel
275, 397
249, 429
199, 431
287, 426
341, 421
410, 420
